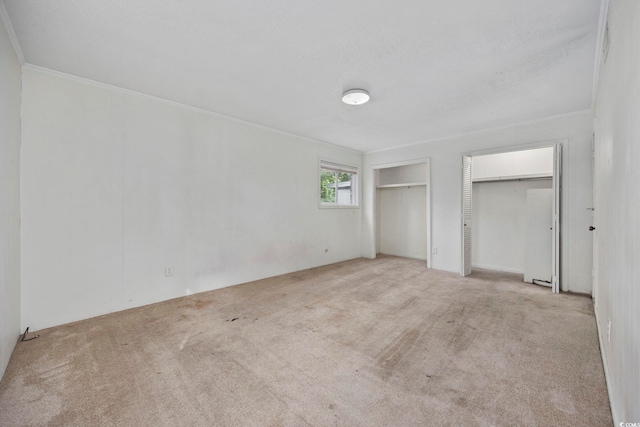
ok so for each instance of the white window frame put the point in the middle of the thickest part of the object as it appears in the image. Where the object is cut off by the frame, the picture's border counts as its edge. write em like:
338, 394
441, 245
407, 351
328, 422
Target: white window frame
339, 167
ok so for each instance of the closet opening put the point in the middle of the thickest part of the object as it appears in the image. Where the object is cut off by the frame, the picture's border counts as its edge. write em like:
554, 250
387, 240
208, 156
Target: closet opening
510, 218
402, 210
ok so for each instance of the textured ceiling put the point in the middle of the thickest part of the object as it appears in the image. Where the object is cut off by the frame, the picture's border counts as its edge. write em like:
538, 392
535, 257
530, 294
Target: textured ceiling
434, 69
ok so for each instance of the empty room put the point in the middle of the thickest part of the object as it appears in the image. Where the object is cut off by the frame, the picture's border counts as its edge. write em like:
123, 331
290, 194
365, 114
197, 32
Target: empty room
293, 213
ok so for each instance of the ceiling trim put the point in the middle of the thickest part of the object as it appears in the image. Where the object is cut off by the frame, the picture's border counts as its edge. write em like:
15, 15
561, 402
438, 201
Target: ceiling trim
602, 27
12, 34
492, 129
182, 106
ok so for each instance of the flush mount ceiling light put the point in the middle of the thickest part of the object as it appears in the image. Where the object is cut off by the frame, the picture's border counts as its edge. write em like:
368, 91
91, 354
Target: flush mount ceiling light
355, 97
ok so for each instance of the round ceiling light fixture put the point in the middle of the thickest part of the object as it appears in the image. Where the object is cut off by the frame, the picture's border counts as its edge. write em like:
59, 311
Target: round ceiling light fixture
355, 97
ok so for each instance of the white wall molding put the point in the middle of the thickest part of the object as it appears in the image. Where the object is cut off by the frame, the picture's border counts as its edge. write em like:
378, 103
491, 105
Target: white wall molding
602, 28
12, 34
486, 130
180, 105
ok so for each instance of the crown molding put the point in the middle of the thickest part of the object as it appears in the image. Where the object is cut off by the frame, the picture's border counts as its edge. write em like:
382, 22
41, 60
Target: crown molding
602, 28
485, 130
180, 105
12, 34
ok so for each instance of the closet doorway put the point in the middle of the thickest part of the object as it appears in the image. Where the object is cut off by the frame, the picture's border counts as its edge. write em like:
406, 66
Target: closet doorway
511, 213
402, 208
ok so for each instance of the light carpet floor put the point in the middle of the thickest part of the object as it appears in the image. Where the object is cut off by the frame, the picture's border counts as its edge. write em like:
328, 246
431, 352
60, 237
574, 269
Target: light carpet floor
382, 342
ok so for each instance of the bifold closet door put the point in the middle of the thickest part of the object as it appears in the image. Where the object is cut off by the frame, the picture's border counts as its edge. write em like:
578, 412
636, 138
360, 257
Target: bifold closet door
466, 215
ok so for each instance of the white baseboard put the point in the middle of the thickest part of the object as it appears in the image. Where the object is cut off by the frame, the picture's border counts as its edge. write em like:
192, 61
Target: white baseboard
493, 267
402, 255
616, 420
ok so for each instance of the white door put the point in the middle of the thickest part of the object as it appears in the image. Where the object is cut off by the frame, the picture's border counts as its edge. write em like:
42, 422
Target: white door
466, 216
539, 237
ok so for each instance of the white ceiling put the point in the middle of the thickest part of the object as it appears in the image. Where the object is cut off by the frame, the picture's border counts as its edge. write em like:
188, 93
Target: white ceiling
433, 68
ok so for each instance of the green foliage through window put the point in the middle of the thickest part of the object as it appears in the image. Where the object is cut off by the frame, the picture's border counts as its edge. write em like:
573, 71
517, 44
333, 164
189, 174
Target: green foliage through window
337, 186
328, 187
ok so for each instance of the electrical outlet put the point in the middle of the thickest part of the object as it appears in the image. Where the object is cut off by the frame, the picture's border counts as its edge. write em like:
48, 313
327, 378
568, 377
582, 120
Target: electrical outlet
168, 271
609, 331
434, 251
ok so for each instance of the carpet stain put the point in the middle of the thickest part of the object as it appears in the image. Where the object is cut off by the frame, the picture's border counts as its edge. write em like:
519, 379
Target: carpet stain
398, 349
461, 401
200, 304
406, 304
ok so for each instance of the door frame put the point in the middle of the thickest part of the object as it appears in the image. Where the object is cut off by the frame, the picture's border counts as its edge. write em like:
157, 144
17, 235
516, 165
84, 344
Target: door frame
557, 145
374, 179
594, 230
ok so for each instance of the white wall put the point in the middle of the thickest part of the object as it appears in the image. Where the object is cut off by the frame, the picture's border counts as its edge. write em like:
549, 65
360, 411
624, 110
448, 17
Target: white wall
446, 184
538, 162
116, 186
499, 224
403, 221
10, 88
617, 153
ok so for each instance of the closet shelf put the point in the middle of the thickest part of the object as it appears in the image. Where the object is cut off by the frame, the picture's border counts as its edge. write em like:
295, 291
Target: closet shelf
406, 184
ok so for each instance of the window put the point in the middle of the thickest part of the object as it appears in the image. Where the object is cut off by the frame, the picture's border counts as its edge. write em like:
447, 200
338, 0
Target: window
338, 185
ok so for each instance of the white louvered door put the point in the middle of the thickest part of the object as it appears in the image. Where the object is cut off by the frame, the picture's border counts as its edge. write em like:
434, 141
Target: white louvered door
466, 215
557, 189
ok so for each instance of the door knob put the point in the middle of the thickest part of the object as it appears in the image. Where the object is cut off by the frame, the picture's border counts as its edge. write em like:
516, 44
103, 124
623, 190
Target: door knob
591, 228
